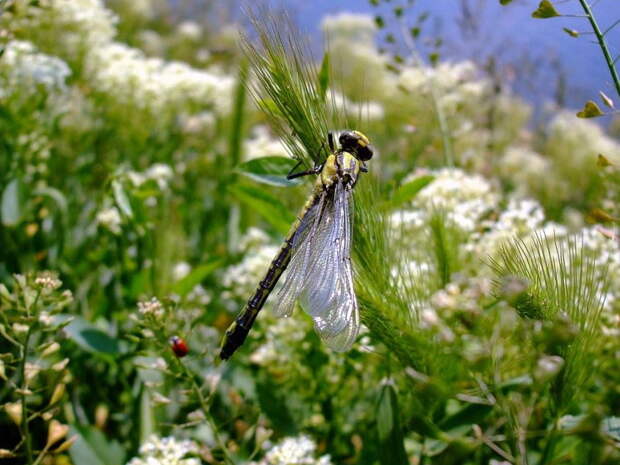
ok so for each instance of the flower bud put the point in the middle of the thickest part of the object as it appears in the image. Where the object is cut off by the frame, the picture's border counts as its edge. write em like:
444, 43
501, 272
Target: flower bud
14, 411
547, 368
50, 349
59, 391
66, 445
55, 433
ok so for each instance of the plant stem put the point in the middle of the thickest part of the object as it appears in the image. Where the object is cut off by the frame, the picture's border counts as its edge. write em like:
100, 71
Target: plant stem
602, 43
24, 423
25, 430
441, 117
204, 404
550, 444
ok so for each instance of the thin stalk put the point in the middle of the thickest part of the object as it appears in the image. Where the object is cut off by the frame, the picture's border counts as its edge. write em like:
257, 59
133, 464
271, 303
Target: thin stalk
441, 117
25, 430
204, 405
24, 423
602, 43
550, 444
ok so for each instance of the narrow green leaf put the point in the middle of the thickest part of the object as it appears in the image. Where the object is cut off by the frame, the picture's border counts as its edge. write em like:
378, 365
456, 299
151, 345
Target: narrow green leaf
199, 273
270, 170
238, 116
391, 445
324, 76
545, 10
504, 2
93, 448
13, 200
407, 192
266, 205
121, 199
590, 110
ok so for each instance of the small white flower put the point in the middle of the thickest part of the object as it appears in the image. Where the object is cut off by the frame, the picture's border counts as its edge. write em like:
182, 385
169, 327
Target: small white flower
110, 218
181, 270
189, 30
48, 280
166, 451
151, 307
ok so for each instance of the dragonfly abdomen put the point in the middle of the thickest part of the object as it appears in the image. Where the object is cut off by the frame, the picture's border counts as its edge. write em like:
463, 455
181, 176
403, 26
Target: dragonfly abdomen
239, 329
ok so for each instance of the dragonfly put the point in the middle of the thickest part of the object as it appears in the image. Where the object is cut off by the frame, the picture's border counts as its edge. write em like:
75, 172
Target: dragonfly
317, 252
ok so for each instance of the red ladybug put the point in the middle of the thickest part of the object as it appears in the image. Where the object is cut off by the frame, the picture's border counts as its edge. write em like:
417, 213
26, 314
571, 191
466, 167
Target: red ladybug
178, 346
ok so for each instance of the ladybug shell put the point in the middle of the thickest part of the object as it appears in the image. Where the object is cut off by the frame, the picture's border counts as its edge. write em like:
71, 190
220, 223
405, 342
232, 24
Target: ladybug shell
178, 346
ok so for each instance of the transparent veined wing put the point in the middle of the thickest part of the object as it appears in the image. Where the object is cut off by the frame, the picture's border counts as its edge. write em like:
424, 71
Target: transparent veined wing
320, 274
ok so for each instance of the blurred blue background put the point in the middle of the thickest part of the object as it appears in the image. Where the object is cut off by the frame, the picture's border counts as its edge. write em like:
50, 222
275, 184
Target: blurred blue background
539, 60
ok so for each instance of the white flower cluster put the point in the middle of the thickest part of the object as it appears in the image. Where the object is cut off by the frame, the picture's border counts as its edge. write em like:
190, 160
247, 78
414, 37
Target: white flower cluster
367, 111
465, 198
152, 83
48, 280
151, 307
263, 144
282, 337
352, 27
455, 83
351, 41
85, 24
577, 141
294, 451
520, 218
166, 451
160, 173
525, 169
27, 69
241, 279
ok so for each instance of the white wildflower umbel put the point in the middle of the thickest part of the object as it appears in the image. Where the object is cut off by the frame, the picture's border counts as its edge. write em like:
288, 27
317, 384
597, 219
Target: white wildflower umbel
166, 451
151, 308
25, 68
294, 451
47, 280
464, 197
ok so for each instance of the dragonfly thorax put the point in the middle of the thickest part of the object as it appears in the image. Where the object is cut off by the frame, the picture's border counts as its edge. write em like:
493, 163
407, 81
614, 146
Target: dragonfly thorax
354, 142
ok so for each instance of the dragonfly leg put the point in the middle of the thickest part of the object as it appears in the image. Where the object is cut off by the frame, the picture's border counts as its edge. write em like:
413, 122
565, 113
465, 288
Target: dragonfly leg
316, 170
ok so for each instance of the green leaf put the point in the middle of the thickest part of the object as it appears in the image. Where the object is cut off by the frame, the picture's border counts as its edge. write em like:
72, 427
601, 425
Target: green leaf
407, 192
13, 199
324, 76
504, 2
266, 205
269, 170
199, 273
89, 337
590, 110
93, 448
545, 10
391, 445
121, 199
274, 403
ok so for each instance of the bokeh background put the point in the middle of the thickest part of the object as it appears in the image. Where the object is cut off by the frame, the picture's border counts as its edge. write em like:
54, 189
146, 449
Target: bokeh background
143, 195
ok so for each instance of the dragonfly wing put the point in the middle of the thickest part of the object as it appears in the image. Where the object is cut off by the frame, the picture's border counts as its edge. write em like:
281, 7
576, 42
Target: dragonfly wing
300, 254
328, 294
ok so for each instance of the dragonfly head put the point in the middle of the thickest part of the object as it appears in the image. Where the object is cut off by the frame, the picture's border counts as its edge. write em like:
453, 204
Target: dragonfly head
356, 143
